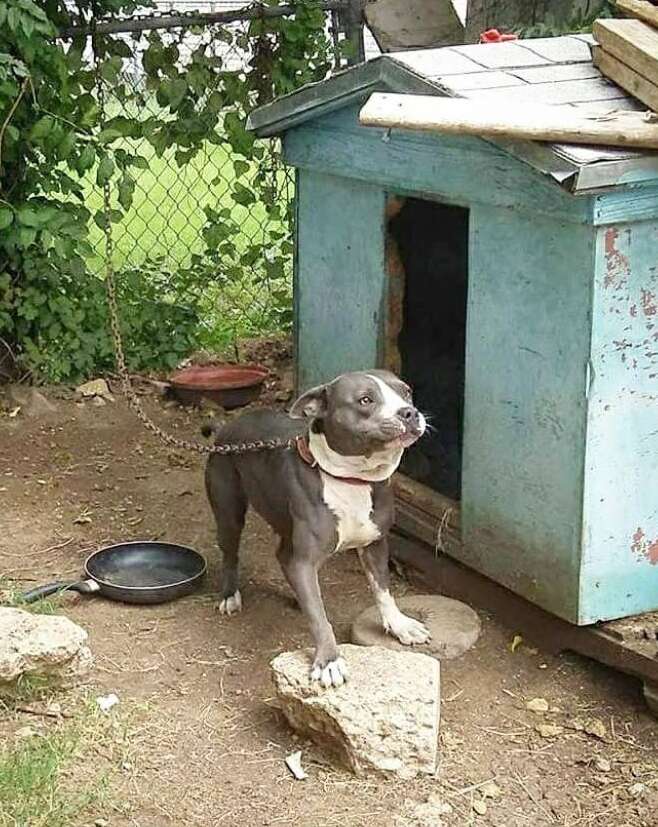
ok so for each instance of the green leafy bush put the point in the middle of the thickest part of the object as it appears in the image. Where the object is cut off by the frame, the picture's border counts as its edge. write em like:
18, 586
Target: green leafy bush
52, 307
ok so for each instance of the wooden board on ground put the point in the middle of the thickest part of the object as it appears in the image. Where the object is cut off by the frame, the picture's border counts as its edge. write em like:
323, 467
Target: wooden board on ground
641, 9
626, 77
631, 41
521, 121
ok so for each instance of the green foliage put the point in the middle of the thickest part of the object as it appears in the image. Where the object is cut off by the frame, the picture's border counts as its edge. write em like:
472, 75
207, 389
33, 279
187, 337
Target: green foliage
580, 23
52, 307
53, 777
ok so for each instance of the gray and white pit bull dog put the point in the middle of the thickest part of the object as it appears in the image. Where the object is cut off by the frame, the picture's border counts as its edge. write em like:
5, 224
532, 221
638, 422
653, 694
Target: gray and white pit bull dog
331, 494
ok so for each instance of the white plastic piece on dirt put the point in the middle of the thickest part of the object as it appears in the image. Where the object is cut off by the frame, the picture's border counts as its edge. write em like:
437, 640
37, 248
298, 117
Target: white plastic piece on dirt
294, 764
106, 702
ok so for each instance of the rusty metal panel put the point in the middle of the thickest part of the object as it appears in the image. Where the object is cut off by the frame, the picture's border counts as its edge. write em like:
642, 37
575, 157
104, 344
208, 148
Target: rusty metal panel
620, 536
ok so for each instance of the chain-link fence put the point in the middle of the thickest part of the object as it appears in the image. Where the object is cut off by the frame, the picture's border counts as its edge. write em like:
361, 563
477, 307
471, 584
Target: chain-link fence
208, 225
153, 106
160, 237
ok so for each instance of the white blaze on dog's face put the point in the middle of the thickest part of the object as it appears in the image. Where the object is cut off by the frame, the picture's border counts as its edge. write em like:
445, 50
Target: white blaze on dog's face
363, 413
395, 404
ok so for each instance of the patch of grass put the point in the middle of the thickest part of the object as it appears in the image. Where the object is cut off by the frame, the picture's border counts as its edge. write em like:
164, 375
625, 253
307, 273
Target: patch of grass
27, 689
54, 778
166, 216
11, 597
163, 229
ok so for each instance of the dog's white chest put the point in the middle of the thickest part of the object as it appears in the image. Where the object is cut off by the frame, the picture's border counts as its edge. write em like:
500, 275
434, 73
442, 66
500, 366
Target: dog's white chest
352, 505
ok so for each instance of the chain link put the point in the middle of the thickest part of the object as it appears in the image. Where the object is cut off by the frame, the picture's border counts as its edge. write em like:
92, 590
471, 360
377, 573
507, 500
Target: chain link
113, 312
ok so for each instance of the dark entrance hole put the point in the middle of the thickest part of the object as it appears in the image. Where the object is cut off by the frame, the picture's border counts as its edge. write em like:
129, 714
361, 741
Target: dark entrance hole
431, 245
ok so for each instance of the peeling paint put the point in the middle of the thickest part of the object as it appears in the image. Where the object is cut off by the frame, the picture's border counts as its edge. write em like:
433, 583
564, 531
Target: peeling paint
617, 266
648, 300
644, 548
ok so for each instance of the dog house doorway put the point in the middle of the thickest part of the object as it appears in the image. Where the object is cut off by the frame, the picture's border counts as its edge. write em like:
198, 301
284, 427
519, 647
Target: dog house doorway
427, 262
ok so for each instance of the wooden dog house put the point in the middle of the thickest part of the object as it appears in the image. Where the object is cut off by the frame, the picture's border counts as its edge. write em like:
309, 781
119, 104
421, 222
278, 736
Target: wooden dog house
515, 285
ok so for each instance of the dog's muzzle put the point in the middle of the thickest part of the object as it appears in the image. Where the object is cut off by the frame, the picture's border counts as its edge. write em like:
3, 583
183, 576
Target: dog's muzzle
412, 425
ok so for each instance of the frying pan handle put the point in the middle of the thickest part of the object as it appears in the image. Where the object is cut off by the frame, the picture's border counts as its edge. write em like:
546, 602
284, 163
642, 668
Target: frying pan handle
81, 586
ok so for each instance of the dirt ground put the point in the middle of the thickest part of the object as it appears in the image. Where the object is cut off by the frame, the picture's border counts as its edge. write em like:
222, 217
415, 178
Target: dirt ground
207, 748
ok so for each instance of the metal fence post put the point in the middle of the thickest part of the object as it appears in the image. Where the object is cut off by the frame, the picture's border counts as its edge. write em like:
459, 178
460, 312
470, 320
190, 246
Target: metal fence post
352, 19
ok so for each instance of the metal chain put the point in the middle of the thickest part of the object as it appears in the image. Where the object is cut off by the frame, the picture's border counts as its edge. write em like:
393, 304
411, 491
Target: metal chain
110, 284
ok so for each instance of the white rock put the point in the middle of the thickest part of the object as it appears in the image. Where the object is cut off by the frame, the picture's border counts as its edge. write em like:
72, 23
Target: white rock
384, 719
42, 645
294, 764
96, 387
106, 702
537, 705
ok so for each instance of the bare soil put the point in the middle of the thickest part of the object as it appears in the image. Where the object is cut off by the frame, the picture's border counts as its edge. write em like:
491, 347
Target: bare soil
207, 746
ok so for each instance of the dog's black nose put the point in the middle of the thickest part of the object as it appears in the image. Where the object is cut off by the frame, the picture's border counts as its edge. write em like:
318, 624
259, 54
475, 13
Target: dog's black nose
409, 415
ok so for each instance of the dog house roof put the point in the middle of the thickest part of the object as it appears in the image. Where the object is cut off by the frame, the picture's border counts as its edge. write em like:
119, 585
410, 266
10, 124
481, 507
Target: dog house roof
556, 71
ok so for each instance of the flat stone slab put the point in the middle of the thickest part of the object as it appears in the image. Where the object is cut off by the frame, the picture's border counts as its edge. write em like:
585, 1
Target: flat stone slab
454, 626
385, 719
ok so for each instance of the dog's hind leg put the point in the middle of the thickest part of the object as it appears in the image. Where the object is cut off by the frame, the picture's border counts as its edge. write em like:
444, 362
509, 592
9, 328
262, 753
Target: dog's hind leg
229, 505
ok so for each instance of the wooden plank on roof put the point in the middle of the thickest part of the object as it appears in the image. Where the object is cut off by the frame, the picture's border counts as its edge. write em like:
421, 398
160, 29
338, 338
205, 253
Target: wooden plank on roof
640, 9
568, 91
632, 42
527, 121
627, 78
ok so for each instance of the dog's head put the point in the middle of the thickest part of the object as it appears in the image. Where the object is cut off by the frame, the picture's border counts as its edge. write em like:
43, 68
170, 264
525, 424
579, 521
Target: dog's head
362, 413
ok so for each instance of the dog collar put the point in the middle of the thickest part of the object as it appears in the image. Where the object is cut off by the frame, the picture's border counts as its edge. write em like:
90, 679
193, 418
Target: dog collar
305, 453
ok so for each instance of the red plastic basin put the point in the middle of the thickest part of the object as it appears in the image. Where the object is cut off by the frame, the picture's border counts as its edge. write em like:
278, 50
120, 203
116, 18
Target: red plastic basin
230, 386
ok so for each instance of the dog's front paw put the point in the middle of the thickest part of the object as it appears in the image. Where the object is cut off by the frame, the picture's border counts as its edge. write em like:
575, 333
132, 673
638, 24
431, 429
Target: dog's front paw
408, 631
232, 604
333, 673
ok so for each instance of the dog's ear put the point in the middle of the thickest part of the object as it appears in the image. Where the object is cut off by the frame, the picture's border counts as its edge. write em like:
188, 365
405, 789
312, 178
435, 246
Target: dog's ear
310, 405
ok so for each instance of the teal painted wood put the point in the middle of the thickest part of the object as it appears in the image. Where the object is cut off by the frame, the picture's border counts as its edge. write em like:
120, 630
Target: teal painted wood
341, 283
619, 573
561, 431
629, 203
528, 335
456, 169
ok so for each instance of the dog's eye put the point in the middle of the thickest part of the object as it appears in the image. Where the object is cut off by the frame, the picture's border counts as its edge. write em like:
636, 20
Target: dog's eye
365, 400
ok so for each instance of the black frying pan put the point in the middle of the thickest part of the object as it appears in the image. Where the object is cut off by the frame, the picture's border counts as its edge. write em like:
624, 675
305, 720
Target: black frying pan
140, 572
